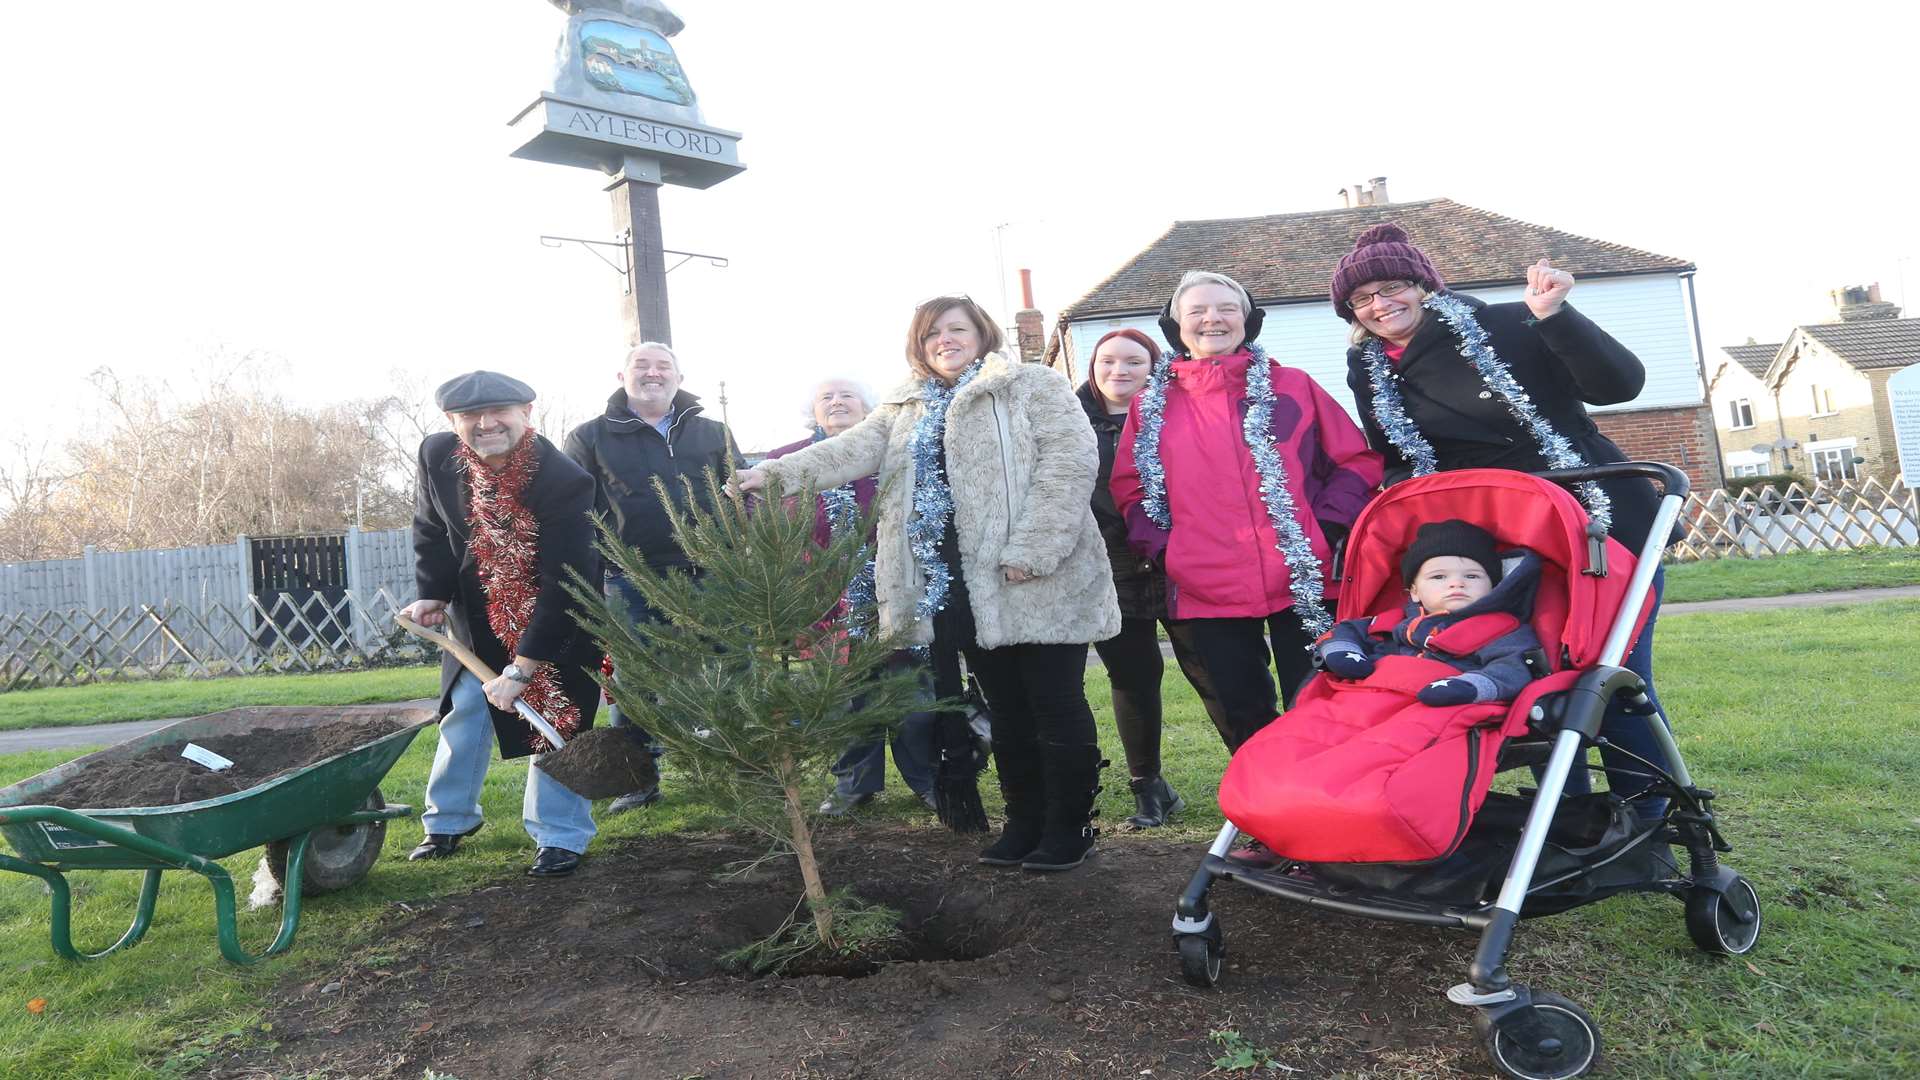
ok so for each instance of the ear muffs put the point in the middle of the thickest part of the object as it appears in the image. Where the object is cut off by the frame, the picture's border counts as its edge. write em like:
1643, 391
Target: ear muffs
1170, 326
1170, 329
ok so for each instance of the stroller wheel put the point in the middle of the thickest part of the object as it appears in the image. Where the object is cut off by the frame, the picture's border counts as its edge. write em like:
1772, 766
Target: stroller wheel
1200, 956
1549, 1039
1725, 921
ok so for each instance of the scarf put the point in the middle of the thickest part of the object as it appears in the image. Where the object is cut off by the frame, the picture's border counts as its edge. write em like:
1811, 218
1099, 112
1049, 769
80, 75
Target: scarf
1290, 539
842, 508
504, 541
1470, 339
932, 498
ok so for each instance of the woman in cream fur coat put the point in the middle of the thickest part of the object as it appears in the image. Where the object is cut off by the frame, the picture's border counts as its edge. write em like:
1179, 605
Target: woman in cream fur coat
1015, 575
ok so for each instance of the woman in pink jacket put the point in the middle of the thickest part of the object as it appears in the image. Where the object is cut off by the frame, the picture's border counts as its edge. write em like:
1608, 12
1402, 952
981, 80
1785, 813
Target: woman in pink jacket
1240, 477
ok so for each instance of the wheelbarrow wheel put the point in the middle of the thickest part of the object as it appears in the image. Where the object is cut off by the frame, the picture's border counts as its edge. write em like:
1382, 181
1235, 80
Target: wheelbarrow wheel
338, 856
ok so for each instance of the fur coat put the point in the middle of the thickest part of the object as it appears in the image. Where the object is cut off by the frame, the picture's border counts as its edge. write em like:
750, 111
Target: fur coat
1021, 462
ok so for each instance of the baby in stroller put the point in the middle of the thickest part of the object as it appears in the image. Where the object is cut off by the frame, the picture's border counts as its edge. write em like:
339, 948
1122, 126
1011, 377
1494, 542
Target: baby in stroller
1460, 611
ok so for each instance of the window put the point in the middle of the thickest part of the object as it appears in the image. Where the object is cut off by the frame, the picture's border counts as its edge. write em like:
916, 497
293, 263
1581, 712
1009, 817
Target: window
1740, 413
1832, 461
1750, 470
1822, 400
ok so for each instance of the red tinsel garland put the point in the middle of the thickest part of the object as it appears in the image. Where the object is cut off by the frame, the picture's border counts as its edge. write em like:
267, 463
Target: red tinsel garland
505, 543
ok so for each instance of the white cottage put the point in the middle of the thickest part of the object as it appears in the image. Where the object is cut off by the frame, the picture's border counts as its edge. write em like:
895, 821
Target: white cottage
1286, 260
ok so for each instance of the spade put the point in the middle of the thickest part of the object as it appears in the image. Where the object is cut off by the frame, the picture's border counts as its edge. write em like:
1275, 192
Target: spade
594, 764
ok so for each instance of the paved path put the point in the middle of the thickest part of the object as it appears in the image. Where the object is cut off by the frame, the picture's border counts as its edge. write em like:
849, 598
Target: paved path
62, 738
1810, 599
13, 742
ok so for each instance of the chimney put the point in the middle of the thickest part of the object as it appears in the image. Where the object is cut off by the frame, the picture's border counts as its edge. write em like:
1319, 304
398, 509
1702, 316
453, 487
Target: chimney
1863, 304
1346, 200
1029, 326
1379, 186
1361, 196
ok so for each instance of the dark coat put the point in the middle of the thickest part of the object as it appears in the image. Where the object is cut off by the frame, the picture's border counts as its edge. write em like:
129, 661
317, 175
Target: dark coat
1488, 640
1565, 363
560, 496
624, 454
1141, 586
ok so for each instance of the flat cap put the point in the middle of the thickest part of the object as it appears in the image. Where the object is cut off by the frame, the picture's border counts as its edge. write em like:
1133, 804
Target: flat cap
481, 390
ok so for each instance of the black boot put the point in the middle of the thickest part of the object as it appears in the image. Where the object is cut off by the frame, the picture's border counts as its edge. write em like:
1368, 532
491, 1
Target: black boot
1073, 780
1153, 802
1024, 785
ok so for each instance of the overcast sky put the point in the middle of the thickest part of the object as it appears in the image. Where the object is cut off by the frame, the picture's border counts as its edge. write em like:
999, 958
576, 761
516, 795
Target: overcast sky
330, 183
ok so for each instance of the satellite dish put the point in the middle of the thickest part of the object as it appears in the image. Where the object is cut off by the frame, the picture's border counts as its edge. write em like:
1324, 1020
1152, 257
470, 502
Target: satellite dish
1762, 448
1785, 444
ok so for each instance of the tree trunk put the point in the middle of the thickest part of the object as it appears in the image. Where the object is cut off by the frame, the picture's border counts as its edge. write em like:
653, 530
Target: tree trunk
803, 850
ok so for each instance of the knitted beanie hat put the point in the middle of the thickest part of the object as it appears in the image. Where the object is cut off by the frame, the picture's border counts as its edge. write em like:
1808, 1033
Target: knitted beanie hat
1450, 537
1382, 253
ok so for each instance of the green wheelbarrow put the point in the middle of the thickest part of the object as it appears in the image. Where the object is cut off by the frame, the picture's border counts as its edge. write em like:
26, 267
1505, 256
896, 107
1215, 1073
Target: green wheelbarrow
323, 825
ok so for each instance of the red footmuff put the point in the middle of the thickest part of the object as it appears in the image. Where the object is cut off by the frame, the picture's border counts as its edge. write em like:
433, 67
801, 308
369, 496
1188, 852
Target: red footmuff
1361, 771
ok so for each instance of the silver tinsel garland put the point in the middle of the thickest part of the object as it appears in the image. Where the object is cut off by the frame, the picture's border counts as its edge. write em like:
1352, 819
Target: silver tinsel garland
932, 498
1291, 540
843, 513
1389, 411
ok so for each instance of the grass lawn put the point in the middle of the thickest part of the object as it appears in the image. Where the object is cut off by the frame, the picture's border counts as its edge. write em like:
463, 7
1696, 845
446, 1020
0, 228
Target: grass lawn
107, 703
1795, 572
1814, 773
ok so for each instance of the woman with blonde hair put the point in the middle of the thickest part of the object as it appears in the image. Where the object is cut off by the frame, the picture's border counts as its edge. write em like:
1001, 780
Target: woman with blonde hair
986, 545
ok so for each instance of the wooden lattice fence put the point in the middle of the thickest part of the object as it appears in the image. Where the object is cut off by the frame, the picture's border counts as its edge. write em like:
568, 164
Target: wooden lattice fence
1823, 517
146, 641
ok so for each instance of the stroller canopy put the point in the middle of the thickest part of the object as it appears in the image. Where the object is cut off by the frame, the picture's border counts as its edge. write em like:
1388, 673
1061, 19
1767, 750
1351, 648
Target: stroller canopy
1571, 606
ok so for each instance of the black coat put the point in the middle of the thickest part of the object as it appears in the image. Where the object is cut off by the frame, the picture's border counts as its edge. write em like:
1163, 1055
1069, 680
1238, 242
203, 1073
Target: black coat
560, 496
1141, 586
624, 454
1565, 363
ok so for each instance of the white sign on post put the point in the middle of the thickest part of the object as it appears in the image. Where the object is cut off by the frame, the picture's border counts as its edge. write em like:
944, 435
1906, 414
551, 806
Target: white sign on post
1903, 396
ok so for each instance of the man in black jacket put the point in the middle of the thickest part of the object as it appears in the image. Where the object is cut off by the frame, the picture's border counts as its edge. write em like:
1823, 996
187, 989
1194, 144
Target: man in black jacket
500, 521
651, 429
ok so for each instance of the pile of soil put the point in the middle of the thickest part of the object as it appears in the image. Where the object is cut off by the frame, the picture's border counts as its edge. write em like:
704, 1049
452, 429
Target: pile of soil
159, 776
614, 972
603, 762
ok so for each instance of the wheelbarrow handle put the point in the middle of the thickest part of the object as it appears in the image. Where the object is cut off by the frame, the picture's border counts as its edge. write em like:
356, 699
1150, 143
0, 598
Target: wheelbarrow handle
485, 674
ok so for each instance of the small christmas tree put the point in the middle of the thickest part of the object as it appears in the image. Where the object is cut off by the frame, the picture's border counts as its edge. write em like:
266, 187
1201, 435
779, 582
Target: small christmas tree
750, 675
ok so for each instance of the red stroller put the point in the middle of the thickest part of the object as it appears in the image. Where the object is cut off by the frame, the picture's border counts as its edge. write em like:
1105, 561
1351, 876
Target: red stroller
1462, 856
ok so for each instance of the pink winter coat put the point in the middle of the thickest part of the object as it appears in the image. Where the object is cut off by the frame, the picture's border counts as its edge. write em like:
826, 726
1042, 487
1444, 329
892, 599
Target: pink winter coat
1220, 556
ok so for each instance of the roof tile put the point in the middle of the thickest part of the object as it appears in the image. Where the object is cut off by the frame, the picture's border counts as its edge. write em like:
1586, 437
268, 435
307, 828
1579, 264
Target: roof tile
1284, 258
1876, 343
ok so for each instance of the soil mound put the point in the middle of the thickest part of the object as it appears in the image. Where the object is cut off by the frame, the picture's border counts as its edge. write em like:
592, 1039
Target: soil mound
602, 762
159, 776
615, 972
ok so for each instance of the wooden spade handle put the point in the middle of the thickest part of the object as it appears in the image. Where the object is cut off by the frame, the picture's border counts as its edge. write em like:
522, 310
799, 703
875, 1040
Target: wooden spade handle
482, 672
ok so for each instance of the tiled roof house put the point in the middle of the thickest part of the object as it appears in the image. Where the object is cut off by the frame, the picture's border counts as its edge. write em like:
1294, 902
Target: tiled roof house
1287, 260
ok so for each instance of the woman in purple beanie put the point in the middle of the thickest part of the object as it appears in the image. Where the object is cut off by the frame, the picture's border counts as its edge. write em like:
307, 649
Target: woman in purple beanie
1446, 381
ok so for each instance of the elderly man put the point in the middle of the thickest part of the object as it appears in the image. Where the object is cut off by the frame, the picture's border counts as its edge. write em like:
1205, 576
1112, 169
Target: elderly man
651, 429
500, 519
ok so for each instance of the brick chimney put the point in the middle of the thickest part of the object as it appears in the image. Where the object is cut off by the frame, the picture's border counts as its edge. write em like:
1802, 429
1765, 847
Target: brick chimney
1379, 191
1029, 325
1857, 304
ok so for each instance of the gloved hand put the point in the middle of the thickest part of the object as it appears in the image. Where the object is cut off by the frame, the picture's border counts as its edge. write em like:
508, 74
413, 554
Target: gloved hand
1345, 661
1448, 692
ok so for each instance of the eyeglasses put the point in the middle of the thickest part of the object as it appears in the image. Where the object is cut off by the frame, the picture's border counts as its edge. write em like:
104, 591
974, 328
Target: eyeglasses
1391, 288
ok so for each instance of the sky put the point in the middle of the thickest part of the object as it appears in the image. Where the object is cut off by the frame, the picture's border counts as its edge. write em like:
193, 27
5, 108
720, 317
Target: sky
330, 185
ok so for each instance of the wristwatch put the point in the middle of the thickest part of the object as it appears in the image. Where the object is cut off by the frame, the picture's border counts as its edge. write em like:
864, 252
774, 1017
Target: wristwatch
512, 671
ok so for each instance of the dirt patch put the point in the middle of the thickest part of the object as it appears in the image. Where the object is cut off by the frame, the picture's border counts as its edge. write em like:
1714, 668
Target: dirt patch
159, 776
613, 973
603, 762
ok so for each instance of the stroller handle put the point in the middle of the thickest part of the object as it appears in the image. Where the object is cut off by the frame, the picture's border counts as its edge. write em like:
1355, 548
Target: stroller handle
1672, 480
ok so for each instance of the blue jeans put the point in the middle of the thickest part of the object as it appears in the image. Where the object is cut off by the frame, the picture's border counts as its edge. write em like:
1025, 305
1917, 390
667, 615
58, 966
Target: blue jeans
1626, 731
639, 612
552, 815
